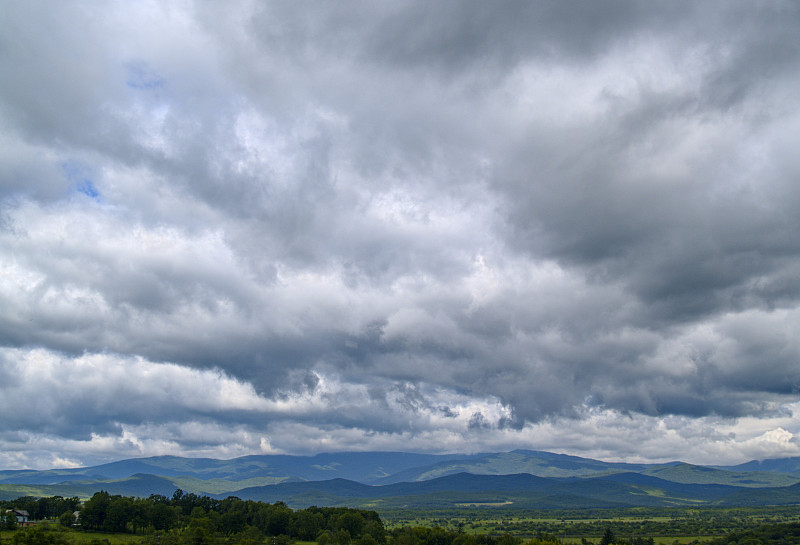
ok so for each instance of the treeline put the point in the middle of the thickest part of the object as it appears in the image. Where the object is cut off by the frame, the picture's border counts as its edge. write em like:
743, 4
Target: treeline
628, 523
421, 535
203, 517
769, 534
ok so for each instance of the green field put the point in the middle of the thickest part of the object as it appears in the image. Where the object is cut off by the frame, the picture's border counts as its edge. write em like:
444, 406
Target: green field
82, 538
664, 525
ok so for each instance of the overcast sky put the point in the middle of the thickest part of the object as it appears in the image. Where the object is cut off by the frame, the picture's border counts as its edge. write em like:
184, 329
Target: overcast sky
246, 227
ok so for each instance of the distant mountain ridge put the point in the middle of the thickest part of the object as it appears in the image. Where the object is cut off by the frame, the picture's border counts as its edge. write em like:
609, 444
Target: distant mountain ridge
519, 477
520, 491
539, 463
790, 466
359, 466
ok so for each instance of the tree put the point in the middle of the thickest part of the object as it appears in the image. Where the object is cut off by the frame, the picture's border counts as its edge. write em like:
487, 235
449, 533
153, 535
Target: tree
353, 523
376, 530
508, 539
139, 515
118, 514
365, 539
464, 539
608, 537
67, 518
250, 536
8, 519
94, 511
162, 516
324, 538
199, 532
279, 517
405, 536
37, 535
307, 525
343, 537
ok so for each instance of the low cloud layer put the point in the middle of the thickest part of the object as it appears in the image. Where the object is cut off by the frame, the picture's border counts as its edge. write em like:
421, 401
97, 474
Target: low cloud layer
463, 227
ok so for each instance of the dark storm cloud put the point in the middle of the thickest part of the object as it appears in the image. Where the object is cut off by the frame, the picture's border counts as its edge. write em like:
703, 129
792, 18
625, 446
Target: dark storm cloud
435, 226
697, 240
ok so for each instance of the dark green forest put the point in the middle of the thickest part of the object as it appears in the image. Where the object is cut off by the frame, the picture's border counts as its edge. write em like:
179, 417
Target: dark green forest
197, 520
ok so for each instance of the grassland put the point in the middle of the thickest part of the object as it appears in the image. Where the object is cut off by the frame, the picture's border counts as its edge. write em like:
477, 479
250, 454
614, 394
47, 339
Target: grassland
665, 525
76, 537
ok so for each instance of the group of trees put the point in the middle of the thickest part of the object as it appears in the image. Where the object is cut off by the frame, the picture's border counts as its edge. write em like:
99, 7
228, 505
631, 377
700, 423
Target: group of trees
203, 516
609, 538
768, 534
195, 520
421, 535
438, 536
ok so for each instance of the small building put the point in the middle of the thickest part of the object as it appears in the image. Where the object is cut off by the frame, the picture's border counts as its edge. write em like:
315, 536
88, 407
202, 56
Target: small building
23, 517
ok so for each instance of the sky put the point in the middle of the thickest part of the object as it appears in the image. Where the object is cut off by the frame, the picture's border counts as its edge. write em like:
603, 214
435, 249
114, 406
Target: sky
246, 227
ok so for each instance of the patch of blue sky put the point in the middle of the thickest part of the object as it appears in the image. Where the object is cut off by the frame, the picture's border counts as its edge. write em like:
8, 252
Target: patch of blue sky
88, 188
139, 76
80, 180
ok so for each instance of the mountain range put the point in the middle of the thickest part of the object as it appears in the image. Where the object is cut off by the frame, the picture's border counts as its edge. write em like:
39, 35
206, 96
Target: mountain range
388, 480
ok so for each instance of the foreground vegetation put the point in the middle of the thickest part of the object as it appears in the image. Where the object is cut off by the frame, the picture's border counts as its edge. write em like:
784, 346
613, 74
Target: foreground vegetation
188, 519
203, 518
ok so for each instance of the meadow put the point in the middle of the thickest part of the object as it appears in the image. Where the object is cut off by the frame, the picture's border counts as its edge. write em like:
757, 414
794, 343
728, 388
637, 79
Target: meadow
664, 525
